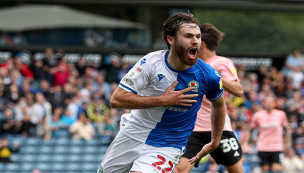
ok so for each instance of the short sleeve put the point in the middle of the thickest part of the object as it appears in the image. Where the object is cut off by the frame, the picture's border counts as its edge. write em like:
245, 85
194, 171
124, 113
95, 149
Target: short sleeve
215, 86
138, 77
228, 71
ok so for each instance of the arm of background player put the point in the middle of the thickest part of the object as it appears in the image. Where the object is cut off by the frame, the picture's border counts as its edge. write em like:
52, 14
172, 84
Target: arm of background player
288, 135
218, 114
233, 87
248, 135
129, 100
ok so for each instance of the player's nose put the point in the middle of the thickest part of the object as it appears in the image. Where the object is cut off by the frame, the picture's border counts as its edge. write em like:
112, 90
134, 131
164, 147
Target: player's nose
195, 41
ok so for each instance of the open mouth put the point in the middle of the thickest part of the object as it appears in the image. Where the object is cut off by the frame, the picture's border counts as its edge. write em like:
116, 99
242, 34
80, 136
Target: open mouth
192, 53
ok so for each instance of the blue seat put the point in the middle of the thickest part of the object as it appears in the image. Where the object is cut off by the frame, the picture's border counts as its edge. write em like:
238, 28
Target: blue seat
196, 170
50, 142
102, 149
44, 167
32, 141
59, 167
16, 157
45, 158
61, 150
75, 142
1, 166
76, 150
74, 167
28, 167
91, 150
100, 157
29, 150
93, 142
30, 158
75, 158
60, 158
12, 167
62, 141
46, 150
89, 167
90, 158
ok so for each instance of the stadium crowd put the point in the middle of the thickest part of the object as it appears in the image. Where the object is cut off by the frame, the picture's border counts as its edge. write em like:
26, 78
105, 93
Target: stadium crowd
54, 99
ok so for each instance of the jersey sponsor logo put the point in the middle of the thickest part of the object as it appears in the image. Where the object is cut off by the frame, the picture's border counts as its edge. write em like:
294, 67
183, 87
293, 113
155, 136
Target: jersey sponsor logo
171, 108
135, 72
160, 77
233, 70
221, 84
128, 81
195, 84
143, 61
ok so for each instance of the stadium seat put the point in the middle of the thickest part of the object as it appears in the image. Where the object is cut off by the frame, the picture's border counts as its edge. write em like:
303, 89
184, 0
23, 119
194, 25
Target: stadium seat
103, 149
60, 158
91, 150
27, 167
46, 149
12, 167
90, 158
32, 141
16, 157
61, 150
89, 167
76, 142
76, 150
59, 167
30, 158
50, 142
29, 150
74, 167
100, 157
45, 158
93, 142
1, 166
44, 167
61, 141
196, 170
75, 158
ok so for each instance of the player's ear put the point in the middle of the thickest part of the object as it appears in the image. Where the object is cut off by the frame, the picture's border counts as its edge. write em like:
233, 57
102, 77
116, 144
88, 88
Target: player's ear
170, 40
203, 44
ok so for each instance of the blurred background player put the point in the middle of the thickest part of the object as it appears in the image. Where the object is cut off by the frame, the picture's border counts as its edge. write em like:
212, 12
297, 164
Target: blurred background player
153, 137
229, 153
270, 123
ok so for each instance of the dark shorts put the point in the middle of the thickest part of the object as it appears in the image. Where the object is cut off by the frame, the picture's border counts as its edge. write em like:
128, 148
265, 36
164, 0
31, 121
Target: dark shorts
268, 158
228, 153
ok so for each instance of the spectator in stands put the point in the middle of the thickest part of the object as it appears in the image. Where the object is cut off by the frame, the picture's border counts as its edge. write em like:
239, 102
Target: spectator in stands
36, 171
6, 150
97, 110
8, 124
5, 39
13, 96
108, 129
296, 77
17, 78
122, 71
262, 73
26, 127
100, 85
66, 118
80, 66
49, 62
23, 67
246, 165
45, 90
41, 109
294, 103
73, 108
68, 93
58, 128
292, 163
37, 68
82, 129
5, 79
299, 149
292, 61
61, 74
26, 88
252, 97
58, 97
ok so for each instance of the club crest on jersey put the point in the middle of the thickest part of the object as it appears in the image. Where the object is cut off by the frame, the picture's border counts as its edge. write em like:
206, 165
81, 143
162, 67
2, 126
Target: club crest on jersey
195, 84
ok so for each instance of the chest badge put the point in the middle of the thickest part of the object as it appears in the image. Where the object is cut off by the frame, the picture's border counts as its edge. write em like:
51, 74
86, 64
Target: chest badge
160, 77
195, 84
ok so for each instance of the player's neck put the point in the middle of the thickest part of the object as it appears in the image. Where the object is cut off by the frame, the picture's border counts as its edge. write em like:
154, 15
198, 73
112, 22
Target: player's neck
175, 62
269, 110
206, 54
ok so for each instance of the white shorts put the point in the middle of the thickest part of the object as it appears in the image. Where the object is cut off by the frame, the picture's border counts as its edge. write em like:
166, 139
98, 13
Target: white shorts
126, 154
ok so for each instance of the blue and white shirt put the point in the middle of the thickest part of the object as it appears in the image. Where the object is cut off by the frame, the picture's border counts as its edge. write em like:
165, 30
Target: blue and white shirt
172, 125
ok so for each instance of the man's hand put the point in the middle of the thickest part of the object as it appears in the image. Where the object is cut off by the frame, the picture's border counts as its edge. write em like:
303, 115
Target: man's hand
174, 98
208, 148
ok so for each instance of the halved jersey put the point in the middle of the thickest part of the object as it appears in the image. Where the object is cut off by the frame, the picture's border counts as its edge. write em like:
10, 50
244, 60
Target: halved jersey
228, 71
166, 126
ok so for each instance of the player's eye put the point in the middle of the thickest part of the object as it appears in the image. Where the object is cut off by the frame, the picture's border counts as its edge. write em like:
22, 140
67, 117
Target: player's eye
188, 36
198, 36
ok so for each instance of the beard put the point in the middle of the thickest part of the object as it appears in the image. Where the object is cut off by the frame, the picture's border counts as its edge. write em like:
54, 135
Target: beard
182, 53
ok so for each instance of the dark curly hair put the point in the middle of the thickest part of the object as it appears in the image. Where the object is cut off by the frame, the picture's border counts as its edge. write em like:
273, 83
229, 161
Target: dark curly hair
172, 24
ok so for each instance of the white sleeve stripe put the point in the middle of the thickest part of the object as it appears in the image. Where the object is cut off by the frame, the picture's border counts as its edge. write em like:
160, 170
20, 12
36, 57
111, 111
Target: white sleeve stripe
217, 96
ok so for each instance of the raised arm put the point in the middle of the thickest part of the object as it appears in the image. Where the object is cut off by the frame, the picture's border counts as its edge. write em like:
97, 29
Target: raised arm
218, 113
129, 100
233, 87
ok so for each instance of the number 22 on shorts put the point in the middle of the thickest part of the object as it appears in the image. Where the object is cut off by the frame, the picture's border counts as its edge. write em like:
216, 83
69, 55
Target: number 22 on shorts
229, 144
162, 163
